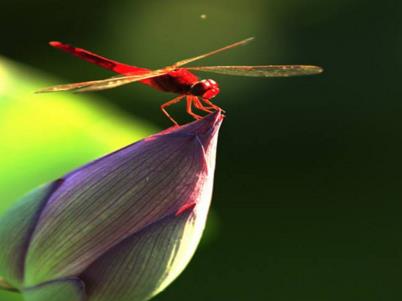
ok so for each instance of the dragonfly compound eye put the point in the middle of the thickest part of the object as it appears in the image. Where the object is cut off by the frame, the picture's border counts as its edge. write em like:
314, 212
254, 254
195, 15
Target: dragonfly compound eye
206, 88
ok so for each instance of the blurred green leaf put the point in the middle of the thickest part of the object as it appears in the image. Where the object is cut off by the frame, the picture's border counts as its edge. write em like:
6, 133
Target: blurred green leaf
44, 136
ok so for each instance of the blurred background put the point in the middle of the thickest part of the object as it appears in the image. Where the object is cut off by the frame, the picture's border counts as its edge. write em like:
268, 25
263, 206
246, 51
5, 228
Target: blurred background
307, 200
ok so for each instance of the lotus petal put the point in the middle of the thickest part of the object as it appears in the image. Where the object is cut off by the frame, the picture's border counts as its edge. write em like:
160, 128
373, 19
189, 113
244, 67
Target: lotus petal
58, 290
16, 228
104, 203
144, 264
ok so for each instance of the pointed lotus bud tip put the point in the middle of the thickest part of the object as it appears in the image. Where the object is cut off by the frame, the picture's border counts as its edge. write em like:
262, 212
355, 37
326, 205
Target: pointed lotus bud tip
205, 128
208, 127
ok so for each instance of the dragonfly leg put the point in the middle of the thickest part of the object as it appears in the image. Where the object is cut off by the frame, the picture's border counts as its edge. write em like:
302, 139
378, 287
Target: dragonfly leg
200, 106
189, 110
169, 103
212, 105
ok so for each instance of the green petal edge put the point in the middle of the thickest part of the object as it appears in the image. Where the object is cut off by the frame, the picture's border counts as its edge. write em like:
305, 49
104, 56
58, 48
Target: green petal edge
71, 289
16, 228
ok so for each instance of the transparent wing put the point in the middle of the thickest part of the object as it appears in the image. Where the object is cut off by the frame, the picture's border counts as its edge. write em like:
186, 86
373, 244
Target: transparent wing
262, 71
104, 84
196, 58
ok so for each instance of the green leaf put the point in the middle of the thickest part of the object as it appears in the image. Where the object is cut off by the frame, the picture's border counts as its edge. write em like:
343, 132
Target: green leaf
43, 136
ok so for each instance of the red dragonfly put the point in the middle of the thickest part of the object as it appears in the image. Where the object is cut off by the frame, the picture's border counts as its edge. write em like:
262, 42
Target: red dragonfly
174, 78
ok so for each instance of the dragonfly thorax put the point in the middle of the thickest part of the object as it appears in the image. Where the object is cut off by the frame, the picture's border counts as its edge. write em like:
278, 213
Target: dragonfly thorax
206, 88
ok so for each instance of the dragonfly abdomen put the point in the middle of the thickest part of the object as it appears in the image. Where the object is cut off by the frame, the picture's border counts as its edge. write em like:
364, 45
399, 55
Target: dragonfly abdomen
101, 61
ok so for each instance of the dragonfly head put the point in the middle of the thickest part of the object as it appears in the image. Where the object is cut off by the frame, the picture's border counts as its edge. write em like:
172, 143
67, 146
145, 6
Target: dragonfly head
206, 88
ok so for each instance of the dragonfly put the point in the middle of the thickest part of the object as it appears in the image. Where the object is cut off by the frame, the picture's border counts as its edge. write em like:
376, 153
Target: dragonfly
175, 78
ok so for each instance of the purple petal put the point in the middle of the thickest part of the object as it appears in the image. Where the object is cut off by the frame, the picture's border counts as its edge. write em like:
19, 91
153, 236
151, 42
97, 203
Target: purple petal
103, 203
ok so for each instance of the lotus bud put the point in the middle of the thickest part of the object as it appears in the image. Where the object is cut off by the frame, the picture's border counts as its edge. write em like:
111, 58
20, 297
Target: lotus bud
120, 228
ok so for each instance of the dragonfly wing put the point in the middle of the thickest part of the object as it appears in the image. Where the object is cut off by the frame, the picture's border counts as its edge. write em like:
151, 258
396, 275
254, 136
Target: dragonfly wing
262, 71
66, 87
104, 84
196, 58
118, 81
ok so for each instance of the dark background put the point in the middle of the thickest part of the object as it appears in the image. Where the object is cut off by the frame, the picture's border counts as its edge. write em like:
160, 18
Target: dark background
307, 201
